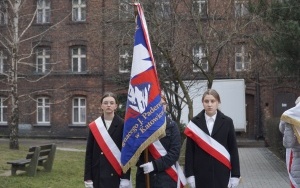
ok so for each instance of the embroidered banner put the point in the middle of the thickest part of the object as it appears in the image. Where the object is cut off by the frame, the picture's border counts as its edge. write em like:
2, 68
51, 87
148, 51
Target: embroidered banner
145, 119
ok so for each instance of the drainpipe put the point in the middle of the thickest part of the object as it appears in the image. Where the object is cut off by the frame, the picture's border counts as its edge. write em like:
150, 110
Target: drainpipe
259, 129
103, 51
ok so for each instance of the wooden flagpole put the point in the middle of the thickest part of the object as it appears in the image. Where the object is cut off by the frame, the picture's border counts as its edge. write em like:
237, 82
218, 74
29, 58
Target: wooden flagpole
146, 152
146, 160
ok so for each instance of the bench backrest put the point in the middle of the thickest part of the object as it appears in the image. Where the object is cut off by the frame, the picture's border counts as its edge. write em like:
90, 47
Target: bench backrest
46, 150
32, 152
48, 153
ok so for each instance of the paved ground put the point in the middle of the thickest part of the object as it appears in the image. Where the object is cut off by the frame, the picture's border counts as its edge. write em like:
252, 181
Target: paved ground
260, 168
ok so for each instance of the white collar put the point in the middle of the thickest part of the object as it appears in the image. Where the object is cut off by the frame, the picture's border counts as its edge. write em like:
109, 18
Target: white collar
213, 117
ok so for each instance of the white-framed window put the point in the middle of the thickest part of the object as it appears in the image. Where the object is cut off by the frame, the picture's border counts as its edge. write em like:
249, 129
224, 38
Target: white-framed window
78, 58
79, 110
3, 13
125, 10
163, 8
43, 11
241, 8
125, 60
43, 110
200, 7
3, 110
78, 10
242, 58
42, 59
199, 58
3, 62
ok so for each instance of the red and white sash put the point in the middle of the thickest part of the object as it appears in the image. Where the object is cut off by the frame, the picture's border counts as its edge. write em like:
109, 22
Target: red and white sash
106, 143
289, 161
157, 150
208, 144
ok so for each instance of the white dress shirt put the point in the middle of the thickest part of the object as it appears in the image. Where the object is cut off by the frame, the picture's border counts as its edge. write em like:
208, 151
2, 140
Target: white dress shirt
210, 121
107, 123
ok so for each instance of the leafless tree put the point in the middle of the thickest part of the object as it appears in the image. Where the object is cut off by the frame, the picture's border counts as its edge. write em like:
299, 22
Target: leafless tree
17, 20
175, 28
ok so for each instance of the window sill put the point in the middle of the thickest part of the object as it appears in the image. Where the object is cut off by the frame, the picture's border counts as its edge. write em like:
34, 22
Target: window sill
77, 125
77, 22
42, 24
42, 125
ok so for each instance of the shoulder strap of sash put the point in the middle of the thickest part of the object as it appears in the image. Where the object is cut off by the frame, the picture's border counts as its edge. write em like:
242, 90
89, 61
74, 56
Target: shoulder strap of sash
157, 150
289, 160
106, 143
208, 144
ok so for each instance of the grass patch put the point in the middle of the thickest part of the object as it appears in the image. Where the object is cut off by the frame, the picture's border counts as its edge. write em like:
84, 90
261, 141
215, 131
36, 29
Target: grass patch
67, 171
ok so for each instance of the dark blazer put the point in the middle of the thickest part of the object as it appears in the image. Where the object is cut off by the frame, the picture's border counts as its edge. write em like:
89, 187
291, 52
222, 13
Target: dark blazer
159, 178
97, 167
209, 172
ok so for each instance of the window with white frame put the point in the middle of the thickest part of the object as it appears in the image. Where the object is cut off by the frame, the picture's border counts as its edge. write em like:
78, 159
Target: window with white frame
125, 60
3, 110
42, 59
43, 110
43, 11
199, 58
3, 61
200, 7
79, 10
125, 9
78, 58
242, 58
3, 13
163, 8
79, 110
241, 8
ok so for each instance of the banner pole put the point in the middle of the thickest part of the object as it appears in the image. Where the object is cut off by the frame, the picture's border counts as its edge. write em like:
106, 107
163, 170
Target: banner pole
146, 159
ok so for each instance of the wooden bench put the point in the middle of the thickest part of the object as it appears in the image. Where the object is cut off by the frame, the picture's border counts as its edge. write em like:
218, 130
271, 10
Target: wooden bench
37, 156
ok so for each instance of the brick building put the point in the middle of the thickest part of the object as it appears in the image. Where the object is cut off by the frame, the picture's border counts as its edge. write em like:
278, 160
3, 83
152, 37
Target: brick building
76, 50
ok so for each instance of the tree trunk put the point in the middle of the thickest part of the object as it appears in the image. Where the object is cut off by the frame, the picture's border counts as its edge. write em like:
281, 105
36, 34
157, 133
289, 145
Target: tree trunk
13, 81
14, 119
14, 114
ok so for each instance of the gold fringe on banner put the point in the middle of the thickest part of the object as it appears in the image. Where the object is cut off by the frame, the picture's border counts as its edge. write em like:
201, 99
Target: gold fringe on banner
161, 132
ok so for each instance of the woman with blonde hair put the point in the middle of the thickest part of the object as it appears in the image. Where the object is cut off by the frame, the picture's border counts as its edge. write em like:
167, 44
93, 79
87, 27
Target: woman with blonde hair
211, 157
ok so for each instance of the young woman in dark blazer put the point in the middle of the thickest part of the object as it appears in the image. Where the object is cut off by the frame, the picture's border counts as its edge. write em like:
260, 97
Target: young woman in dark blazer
99, 173
211, 158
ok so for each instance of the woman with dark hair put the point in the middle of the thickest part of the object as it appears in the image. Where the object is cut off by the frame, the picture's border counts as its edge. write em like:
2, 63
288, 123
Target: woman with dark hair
211, 158
103, 148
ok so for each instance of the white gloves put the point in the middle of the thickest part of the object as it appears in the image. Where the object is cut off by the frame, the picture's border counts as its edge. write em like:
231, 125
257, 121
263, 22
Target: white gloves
233, 182
88, 184
191, 181
148, 167
124, 183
